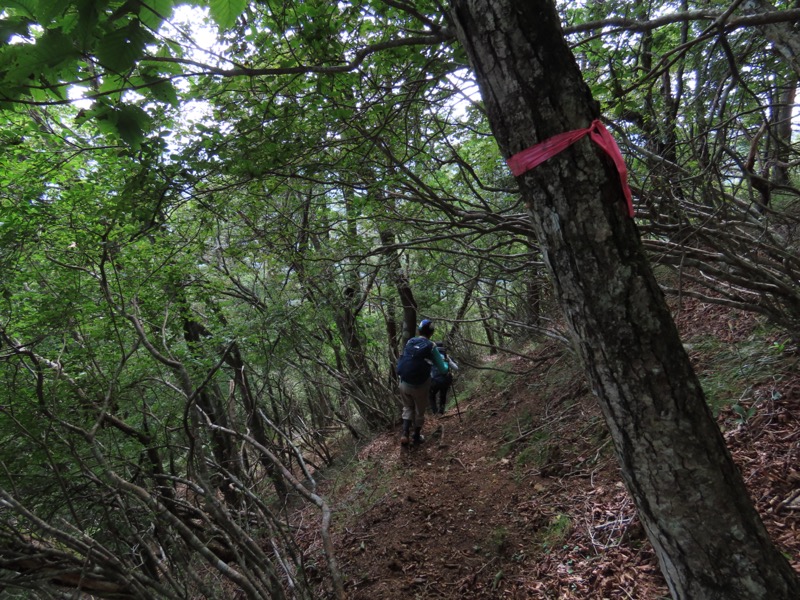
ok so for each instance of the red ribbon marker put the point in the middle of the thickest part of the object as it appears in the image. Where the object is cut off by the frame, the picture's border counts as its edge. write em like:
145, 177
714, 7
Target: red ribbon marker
536, 155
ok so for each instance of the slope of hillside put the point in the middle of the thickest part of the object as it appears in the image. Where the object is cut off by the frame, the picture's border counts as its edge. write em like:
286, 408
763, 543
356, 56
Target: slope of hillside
517, 494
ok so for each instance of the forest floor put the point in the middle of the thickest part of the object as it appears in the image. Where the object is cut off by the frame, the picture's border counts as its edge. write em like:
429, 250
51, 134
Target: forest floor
516, 492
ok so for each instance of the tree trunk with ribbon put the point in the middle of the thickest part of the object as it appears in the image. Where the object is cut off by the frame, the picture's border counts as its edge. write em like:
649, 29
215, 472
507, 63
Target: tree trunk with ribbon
689, 494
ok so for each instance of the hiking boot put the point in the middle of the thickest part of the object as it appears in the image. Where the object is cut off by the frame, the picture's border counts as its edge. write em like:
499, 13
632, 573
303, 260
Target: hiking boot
418, 437
406, 429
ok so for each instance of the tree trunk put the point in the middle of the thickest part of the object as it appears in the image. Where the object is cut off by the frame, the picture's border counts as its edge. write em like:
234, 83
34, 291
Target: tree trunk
487, 326
453, 336
780, 141
398, 277
781, 36
255, 424
690, 496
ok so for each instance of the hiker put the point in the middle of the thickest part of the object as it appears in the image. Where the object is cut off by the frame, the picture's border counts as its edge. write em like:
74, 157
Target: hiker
414, 370
441, 382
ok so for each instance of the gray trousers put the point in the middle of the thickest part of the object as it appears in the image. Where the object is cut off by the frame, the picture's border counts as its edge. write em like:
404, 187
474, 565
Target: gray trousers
415, 400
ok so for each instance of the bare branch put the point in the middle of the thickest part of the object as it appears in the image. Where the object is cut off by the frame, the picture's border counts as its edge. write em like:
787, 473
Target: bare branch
627, 24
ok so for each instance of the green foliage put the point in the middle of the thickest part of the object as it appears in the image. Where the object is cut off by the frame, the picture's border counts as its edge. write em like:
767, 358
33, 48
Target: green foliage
359, 485
744, 414
498, 540
153, 13
48, 48
555, 533
734, 372
225, 12
120, 49
278, 217
537, 451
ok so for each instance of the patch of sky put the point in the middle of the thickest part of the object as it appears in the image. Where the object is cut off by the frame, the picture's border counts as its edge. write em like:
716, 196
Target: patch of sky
466, 94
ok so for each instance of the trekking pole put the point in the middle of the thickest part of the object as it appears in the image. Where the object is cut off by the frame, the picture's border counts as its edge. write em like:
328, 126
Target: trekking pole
453, 387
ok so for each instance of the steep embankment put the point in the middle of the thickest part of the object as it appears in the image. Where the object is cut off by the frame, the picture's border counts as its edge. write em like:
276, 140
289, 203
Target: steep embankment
516, 494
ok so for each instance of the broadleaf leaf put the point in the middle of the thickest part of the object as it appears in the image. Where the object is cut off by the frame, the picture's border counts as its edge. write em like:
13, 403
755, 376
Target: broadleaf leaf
153, 12
120, 49
225, 12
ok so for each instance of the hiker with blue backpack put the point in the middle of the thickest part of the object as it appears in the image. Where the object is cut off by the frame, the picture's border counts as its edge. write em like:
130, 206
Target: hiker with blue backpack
441, 382
414, 370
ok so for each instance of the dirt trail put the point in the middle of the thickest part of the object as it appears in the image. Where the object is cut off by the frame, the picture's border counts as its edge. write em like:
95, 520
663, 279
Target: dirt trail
519, 496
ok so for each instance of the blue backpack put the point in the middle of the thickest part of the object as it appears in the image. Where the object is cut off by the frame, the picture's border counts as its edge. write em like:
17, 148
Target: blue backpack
412, 366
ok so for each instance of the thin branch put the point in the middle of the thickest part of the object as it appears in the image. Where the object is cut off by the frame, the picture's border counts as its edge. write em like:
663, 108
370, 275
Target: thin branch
628, 24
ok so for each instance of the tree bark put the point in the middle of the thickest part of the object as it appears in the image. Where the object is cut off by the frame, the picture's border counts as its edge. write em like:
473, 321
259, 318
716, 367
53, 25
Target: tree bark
709, 539
782, 36
404, 291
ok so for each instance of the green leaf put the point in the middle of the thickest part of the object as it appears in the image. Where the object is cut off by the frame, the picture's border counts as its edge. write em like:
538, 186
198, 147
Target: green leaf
154, 12
127, 122
42, 63
132, 122
54, 48
112, 86
47, 10
26, 6
13, 26
130, 7
163, 91
71, 24
120, 49
225, 12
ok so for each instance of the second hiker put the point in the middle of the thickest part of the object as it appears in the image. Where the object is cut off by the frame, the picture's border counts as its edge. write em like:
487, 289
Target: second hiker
441, 382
